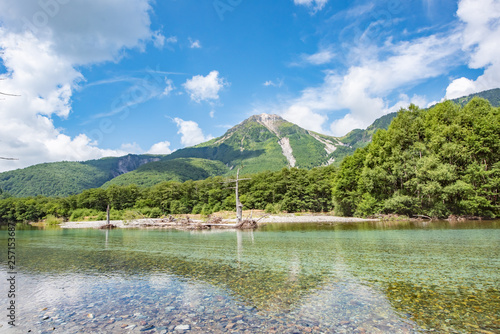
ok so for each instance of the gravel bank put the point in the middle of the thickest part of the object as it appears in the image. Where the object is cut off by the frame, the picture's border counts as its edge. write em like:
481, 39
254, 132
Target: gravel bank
164, 223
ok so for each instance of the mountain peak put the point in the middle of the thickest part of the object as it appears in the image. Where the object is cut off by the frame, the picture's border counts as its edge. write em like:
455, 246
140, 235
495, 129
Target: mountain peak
271, 122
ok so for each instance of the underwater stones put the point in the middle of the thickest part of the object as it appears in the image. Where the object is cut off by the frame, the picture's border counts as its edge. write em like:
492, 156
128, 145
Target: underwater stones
182, 327
147, 328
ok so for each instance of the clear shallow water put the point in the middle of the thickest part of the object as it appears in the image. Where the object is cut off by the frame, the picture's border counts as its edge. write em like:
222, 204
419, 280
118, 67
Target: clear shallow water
346, 278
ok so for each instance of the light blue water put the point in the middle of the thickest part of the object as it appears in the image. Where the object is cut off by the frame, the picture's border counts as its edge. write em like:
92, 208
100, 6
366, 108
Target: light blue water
370, 277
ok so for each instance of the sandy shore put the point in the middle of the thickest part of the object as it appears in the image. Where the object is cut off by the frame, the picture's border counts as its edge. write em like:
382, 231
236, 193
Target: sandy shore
164, 223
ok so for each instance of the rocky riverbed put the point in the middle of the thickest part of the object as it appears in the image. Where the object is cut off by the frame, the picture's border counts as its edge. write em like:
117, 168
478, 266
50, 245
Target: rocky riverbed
165, 223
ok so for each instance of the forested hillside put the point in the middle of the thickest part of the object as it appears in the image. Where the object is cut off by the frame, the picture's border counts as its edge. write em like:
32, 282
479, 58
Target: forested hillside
492, 95
435, 162
66, 178
260, 143
180, 169
286, 190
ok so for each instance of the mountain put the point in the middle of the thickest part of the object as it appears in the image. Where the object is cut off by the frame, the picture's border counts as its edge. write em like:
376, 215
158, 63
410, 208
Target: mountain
265, 142
360, 138
492, 95
66, 178
260, 143
180, 169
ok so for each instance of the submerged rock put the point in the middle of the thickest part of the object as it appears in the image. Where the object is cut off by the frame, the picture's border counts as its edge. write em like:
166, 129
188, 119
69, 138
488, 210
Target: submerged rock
182, 327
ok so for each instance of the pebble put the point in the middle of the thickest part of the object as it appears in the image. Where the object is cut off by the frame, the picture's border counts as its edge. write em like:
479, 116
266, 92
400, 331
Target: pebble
182, 327
147, 328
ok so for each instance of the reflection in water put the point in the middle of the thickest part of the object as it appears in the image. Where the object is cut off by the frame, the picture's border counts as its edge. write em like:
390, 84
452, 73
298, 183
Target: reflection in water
369, 277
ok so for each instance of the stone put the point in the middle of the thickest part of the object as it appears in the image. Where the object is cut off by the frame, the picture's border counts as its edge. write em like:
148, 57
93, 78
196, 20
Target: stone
147, 328
182, 327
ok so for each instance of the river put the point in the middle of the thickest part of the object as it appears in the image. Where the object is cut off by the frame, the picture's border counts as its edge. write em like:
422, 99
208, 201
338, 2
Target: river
374, 277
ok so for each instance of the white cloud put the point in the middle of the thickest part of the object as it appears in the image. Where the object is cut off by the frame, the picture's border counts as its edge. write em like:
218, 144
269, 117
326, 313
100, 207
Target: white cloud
191, 132
278, 83
42, 49
314, 5
212, 114
323, 56
481, 19
172, 40
303, 116
361, 91
132, 148
194, 44
207, 88
169, 87
158, 39
160, 148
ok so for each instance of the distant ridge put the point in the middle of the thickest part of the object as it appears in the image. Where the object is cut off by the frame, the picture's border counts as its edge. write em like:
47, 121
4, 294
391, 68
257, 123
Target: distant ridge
260, 143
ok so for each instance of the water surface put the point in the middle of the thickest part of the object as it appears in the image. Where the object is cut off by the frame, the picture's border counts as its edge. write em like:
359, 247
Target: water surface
346, 278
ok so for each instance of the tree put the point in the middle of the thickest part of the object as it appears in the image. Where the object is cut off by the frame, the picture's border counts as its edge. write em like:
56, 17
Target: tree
239, 206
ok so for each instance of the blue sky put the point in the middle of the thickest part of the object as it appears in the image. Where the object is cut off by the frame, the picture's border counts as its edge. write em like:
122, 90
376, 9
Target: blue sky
101, 78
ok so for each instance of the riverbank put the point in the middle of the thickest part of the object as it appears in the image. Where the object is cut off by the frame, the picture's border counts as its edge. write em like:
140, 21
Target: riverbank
166, 223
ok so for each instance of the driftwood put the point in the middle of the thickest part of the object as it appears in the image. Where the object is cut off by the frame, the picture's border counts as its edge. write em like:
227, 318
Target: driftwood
423, 216
107, 227
247, 224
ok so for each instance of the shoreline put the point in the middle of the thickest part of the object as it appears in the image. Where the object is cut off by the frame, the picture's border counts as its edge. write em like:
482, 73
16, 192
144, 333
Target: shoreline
165, 223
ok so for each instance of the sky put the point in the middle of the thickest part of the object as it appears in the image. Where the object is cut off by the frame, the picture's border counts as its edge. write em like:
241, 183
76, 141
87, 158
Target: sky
85, 79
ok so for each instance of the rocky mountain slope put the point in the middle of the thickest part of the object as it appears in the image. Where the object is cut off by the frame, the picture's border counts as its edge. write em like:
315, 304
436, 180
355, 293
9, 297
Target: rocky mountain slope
261, 142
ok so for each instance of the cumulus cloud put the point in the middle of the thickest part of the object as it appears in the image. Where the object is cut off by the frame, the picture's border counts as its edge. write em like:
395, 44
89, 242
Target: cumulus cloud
207, 88
43, 45
361, 90
160, 148
158, 39
303, 116
481, 19
314, 5
132, 148
191, 132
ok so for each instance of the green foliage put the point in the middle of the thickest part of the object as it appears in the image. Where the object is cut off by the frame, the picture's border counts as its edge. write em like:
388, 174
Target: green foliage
345, 189
53, 220
435, 162
451, 142
67, 178
180, 169
288, 189
492, 95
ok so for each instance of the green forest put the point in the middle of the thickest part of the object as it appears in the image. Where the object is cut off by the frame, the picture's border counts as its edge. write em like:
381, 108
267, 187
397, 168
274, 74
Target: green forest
291, 190
437, 162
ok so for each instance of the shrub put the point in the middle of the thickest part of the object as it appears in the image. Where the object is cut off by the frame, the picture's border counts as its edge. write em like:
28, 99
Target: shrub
53, 220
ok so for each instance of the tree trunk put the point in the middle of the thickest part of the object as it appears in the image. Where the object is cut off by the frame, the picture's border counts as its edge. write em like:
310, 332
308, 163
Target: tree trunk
239, 206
